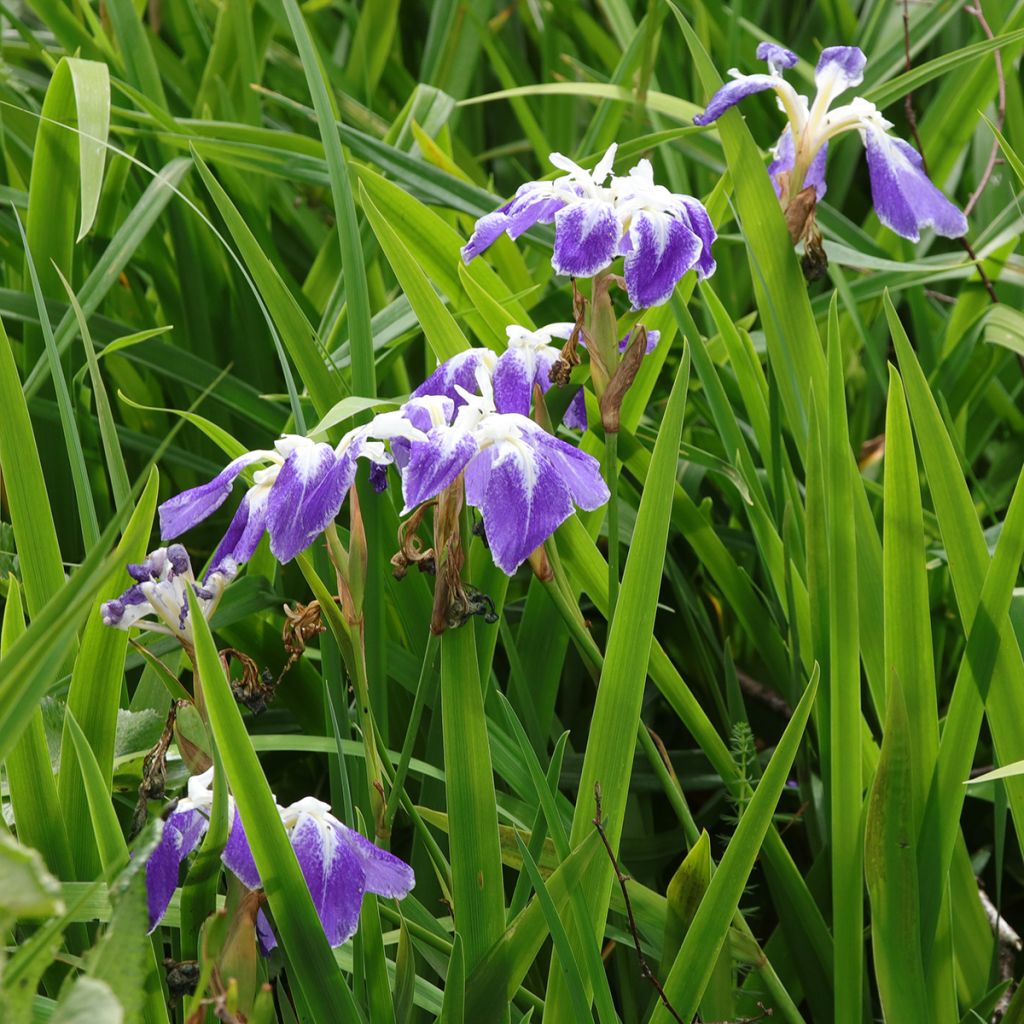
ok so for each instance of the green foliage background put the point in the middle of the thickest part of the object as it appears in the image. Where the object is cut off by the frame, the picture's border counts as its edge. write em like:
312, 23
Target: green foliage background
225, 220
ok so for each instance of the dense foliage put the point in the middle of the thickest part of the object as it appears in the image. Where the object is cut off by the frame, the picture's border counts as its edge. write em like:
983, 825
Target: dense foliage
712, 708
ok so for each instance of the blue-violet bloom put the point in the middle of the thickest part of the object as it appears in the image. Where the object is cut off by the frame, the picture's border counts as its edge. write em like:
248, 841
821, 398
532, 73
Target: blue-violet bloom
599, 216
524, 480
903, 197
339, 864
296, 494
158, 599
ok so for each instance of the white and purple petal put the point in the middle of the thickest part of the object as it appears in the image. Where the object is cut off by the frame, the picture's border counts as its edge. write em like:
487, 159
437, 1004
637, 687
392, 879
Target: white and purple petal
459, 371
653, 337
903, 197
523, 500
580, 472
245, 529
732, 92
433, 464
237, 855
587, 234
700, 224
190, 507
306, 496
486, 232
839, 68
182, 833
383, 872
333, 874
777, 57
575, 417
784, 159
663, 249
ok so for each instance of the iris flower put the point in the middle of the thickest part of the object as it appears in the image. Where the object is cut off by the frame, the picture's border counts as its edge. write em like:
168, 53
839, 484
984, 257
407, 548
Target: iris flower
296, 494
524, 480
599, 216
158, 599
338, 864
903, 197
526, 362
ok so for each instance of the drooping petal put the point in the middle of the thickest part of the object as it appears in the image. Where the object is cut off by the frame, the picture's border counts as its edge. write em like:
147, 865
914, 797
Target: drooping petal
903, 197
839, 68
575, 417
433, 464
181, 835
732, 92
237, 855
486, 232
663, 249
580, 472
700, 224
305, 498
383, 872
245, 529
587, 234
333, 874
534, 203
188, 508
778, 57
524, 501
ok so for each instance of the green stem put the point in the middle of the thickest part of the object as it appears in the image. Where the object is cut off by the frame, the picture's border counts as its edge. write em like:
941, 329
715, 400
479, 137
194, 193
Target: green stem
410, 733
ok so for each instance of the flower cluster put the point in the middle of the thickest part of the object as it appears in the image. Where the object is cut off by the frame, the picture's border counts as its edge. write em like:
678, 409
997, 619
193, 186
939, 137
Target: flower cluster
339, 864
904, 199
469, 416
158, 599
599, 216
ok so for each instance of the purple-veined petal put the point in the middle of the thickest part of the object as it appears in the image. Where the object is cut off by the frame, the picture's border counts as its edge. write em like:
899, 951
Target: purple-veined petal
778, 57
185, 510
587, 234
664, 248
580, 472
517, 370
839, 68
306, 497
533, 204
487, 230
181, 835
575, 417
700, 224
904, 199
459, 371
333, 874
731, 93
383, 872
433, 464
524, 501
237, 855
245, 529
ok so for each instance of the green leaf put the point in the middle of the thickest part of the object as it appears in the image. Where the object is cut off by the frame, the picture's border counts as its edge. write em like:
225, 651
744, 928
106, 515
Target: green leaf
611, 742
695, 961
27, 889
310, 961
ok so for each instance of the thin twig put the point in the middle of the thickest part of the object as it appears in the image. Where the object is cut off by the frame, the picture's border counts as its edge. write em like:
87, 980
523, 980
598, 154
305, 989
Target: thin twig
908, 105
645, 967
978, 13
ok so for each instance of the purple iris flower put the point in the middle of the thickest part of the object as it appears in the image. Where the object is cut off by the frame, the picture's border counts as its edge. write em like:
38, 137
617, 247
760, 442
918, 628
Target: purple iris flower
903, 197
661, 235
526, 362
158, 599
339, 864
524, 480
294, 497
